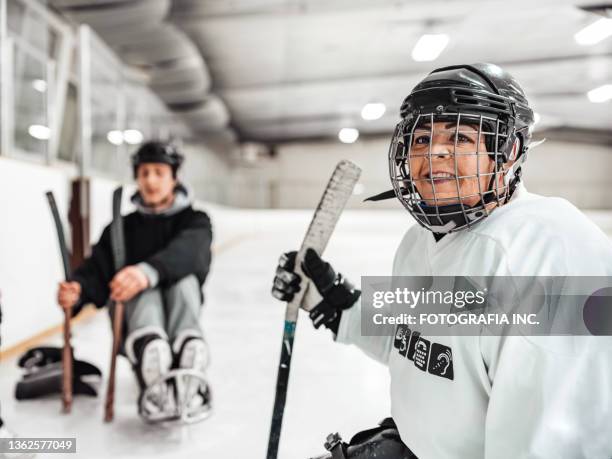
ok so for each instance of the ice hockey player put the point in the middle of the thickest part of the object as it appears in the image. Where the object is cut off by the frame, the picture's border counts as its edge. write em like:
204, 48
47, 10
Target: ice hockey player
168, 258
455, 165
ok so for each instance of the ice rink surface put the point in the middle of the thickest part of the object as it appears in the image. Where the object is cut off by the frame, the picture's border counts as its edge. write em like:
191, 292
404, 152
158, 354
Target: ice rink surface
332, 388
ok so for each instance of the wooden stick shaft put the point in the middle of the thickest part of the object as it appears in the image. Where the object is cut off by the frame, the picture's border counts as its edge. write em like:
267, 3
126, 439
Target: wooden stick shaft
67, 351
118, 248
67, 365
109, 411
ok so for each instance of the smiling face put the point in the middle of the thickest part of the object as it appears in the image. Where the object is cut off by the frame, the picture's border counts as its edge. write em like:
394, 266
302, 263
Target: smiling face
156, 184
445, 166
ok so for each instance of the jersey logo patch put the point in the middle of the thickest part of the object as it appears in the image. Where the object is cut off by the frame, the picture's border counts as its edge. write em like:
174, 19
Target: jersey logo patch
412, 347
432, 357
421, 353
441, 361
402, 339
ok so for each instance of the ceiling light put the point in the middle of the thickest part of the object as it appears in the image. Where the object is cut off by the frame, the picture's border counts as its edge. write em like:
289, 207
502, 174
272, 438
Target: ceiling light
39, 85
601, 94
373, 111
348, 135
39, 132
115, 137
429, 47
133, 136
595, 32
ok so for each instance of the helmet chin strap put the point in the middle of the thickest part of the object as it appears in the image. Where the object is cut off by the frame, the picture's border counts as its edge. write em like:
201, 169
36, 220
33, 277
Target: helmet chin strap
443, 219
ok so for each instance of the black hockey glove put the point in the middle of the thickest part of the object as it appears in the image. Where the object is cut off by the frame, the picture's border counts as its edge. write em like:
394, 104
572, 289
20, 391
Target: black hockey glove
286, 281
337, 292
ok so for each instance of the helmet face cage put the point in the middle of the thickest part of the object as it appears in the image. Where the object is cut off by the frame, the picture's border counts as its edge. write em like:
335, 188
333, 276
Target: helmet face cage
449, 212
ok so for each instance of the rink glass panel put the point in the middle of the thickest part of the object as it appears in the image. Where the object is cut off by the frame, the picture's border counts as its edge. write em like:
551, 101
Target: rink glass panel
31, 129
31, 43
107, 106
121, 106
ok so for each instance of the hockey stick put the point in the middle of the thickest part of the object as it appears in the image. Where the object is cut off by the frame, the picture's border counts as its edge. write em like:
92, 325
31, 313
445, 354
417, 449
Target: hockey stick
336, 194
67, 351
118, 247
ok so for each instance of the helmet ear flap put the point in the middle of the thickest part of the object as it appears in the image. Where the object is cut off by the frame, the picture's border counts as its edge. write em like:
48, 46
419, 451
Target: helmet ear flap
515, 149
396, 149
513, 146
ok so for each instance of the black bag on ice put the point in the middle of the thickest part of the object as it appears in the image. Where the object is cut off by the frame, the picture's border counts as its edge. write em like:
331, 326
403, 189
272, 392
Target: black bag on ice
43, 374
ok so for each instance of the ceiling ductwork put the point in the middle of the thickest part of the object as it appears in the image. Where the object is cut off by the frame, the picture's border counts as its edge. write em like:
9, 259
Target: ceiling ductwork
207, 116
182, 82
298, 70
136, 30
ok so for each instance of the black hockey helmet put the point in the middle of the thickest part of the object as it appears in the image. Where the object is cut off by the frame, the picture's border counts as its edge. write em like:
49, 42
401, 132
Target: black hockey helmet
157, 152
477, 89
482, 96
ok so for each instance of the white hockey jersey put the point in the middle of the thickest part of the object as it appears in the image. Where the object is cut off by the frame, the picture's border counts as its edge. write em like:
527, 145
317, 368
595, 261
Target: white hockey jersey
504, 397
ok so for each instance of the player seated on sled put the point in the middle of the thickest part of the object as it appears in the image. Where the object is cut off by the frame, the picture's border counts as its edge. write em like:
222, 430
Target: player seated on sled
455, 164
168, 258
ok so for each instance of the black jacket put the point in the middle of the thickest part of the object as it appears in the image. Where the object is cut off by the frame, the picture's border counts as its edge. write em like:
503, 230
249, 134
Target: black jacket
175, 245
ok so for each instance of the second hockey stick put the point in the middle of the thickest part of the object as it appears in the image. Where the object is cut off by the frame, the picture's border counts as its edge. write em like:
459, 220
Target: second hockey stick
118, 248
339, 189
67, 350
